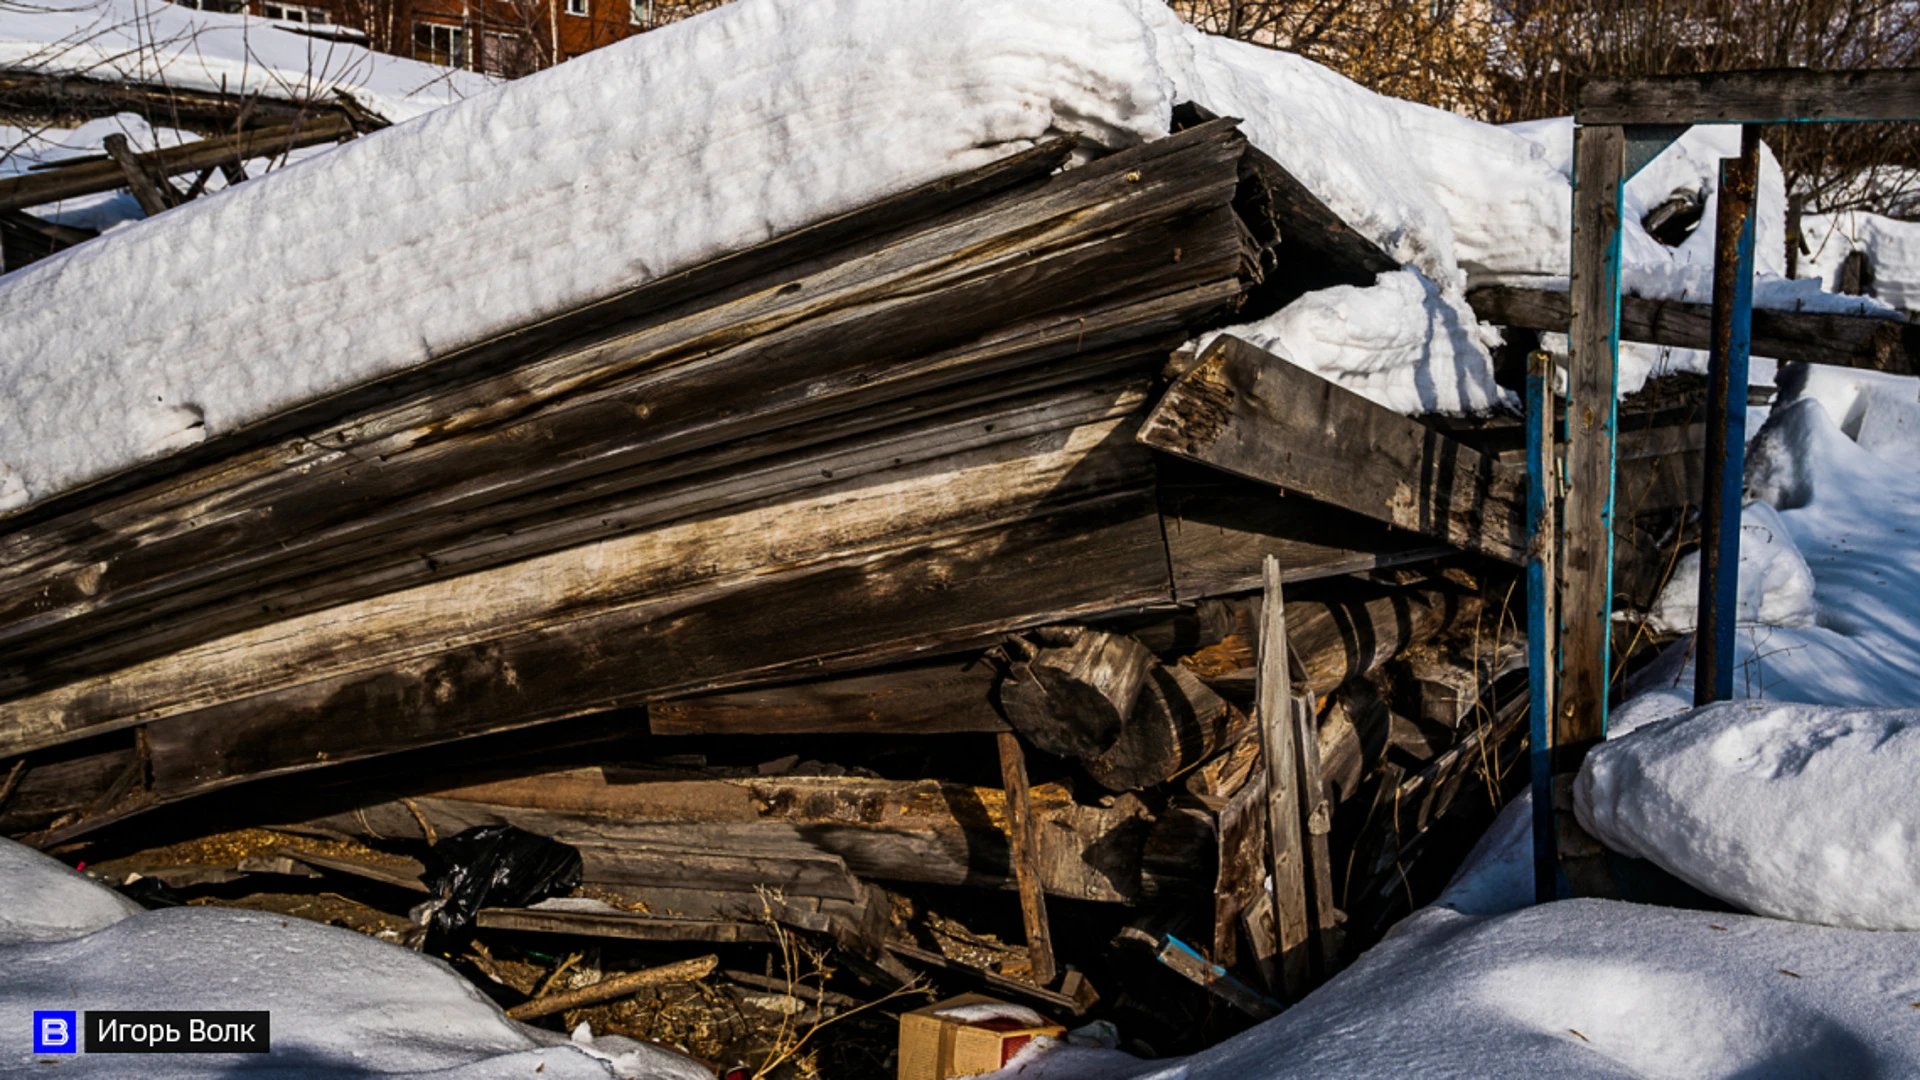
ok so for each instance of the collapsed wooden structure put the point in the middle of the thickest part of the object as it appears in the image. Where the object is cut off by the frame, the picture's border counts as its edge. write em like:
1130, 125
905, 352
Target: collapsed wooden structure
686, 577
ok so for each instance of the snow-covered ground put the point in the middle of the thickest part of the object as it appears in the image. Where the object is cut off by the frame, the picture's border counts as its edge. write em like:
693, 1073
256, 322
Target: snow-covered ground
153, 41
716, 133
341, 1004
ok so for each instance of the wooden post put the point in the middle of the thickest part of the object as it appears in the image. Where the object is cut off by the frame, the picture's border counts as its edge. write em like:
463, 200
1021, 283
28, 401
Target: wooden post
1586, 597
1719, 595
1543, 610
146, 191
1278, 735
1024, 840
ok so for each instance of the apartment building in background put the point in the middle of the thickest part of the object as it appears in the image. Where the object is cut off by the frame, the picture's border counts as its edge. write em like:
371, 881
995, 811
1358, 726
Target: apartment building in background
507, 38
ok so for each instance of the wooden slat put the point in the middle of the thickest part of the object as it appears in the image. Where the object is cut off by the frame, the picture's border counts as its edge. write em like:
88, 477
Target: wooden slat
1287, 870
1023, 843
1755, 97
622, 926
775, 358
1864, 341
70, 100
940, 697
1255, 415
1316, 817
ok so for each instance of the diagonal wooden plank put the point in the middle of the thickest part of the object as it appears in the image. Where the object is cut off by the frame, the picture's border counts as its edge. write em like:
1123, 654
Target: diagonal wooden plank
1253, 414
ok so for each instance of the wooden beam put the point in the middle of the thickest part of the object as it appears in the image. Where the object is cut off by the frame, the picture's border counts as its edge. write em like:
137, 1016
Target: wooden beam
1863, 341
622, 925
1273, 711
1023, 843
1781, 95
938, 697
1255, 415
1586, 568
146, 171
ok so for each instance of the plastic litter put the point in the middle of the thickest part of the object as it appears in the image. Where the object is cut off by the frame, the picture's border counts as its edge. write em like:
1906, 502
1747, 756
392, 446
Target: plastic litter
492, 866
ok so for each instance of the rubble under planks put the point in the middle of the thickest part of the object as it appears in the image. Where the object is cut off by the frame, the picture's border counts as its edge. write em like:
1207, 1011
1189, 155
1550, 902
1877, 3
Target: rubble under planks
889, 578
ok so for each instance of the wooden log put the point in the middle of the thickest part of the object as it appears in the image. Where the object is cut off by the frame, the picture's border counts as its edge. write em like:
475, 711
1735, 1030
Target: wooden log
1092, 269
1287, 869
1073, 700
145, 173
940, 697
614, 987
1023, 843
1751, 97
1334, 640
1176, 724
1252, 414
1879, 343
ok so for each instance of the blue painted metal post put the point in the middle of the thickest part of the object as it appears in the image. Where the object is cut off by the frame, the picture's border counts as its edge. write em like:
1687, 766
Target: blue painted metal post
1718, 604
1543, 637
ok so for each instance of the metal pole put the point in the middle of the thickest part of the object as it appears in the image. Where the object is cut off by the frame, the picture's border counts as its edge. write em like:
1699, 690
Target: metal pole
1726, 423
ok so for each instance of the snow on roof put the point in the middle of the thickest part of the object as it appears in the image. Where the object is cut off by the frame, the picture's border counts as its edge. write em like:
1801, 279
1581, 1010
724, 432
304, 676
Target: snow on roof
707, 136
152, 41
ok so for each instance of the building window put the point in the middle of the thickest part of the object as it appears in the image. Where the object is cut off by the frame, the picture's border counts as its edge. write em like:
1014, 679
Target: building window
227, 7
294, 13
640, 12
438, 43
576, 7
507, 55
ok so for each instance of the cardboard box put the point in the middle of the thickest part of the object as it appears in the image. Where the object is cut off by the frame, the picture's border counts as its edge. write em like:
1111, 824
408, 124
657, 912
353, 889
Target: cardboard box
935, 1047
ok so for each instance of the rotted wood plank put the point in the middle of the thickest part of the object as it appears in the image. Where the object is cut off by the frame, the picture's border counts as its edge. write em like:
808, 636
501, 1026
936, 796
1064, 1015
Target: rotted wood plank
1252, 414
1861, 341
1023, 843
1287, 871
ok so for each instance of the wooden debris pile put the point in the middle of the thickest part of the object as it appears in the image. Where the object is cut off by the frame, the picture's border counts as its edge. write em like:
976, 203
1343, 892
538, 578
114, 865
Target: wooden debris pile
892, 602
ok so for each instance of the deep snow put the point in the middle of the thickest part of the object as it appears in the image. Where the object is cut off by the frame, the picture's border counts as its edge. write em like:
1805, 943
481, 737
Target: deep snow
342, 1004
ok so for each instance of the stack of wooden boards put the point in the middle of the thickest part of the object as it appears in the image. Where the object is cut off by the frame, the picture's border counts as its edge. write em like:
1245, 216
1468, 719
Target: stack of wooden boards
933, 470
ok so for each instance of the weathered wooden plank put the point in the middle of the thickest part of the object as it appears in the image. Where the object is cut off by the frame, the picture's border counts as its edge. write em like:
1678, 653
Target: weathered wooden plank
1586, 597
1023, 845
1781, 95
1221, 528
1273, 711
1242, 835
1863, 341
1316, 818
1252, 414
1093, 266
925, 831
1079, 450
69, 100
94, 175
941, 697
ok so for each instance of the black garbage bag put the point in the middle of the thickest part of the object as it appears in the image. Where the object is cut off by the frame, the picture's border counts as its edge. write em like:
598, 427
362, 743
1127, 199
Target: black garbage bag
493, 866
